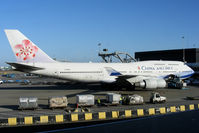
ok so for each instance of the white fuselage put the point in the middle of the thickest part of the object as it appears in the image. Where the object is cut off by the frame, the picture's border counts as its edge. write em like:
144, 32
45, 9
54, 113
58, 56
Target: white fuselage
145, 74
96, 72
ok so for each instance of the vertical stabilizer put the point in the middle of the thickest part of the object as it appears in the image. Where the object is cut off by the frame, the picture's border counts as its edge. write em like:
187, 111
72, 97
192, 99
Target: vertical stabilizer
24, 49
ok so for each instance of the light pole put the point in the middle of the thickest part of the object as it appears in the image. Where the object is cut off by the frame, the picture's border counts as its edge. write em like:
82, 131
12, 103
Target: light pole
99, 45
183, 49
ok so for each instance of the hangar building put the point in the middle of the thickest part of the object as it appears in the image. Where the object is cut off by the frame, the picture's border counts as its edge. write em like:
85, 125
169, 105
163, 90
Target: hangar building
191, 55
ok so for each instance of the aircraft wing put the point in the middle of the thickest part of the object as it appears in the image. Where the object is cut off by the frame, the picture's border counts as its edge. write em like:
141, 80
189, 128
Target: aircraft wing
142, 81
130, 78
23, 67
113, 72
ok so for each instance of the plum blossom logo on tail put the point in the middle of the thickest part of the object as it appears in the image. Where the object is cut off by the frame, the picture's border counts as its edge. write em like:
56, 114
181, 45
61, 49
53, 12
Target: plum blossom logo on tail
26, 50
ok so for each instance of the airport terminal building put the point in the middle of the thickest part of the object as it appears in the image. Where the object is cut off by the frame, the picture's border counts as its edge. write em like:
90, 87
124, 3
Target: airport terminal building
190, 56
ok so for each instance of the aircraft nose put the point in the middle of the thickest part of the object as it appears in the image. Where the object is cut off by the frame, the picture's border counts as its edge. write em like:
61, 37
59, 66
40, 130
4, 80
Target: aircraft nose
191, 70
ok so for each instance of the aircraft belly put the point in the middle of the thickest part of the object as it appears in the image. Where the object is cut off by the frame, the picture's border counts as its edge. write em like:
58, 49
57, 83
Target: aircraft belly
80, 77
136, 79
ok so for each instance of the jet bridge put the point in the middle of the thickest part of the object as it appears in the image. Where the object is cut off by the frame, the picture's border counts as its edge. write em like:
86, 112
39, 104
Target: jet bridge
121, 56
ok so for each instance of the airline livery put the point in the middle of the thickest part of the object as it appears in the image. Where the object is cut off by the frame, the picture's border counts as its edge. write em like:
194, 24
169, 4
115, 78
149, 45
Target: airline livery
144, 74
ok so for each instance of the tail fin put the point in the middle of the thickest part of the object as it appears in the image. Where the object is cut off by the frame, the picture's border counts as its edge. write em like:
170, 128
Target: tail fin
25, 50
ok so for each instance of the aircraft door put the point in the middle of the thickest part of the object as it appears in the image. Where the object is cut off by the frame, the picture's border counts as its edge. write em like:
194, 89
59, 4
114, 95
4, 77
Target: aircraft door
56, 73
101, 73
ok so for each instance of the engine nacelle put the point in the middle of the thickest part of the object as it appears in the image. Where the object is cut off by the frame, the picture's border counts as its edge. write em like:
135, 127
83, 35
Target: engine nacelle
151, 83
161, 83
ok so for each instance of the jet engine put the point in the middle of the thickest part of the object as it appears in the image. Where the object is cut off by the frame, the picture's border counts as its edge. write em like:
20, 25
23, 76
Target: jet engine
151, 83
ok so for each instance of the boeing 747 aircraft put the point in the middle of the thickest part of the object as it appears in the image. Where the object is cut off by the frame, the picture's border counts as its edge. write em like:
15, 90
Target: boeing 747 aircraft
143, 74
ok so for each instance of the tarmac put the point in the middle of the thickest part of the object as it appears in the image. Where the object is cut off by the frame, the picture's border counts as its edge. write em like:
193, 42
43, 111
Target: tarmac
11, 92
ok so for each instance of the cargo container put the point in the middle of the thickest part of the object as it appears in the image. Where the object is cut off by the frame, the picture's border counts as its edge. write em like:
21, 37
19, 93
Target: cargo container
113, 98
133, 99
85, 100
57, 102
28, 103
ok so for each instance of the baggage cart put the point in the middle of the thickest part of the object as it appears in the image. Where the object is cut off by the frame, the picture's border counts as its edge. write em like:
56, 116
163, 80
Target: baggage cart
57, 102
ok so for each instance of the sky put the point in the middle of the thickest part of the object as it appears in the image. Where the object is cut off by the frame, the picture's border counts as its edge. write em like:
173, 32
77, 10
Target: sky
72, 29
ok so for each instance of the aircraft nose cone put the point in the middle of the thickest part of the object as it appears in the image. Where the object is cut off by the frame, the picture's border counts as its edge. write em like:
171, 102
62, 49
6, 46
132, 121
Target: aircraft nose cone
191, 70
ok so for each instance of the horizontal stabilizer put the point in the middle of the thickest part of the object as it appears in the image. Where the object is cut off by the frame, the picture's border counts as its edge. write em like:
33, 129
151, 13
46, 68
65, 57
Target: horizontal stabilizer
24, 68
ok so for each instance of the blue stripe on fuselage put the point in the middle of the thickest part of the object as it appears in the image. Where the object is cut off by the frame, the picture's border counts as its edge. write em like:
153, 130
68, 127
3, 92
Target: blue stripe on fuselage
115, 74
183, 76
186, 76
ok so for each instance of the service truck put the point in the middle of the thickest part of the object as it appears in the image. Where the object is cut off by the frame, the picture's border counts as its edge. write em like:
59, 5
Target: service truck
156, 98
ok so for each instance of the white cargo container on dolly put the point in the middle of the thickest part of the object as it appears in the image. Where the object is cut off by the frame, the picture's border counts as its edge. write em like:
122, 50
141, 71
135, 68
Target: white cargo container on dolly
85, 100
26, 103
112, 99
